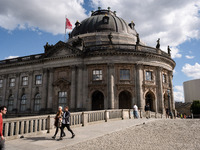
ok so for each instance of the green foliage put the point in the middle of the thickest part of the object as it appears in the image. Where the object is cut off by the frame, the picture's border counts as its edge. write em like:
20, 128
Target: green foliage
195, 108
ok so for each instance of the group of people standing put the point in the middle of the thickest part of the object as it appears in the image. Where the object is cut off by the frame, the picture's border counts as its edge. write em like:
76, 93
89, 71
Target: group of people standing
62, 120
146, 108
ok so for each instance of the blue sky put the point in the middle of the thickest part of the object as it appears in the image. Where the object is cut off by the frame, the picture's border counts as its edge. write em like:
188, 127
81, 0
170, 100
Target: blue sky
26, 26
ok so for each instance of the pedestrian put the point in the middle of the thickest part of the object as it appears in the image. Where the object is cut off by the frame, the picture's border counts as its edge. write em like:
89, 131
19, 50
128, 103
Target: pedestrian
66, 123
135, 111
3, 111
147, 110
167, 113
58, 121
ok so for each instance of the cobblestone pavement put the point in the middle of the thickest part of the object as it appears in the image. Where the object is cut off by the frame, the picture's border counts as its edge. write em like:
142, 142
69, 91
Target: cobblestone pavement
163, 134
142, 134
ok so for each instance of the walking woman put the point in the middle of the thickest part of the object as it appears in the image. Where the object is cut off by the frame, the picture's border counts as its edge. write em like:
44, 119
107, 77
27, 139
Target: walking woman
58, 121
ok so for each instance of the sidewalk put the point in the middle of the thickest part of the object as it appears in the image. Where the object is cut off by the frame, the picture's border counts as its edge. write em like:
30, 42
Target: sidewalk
45, 142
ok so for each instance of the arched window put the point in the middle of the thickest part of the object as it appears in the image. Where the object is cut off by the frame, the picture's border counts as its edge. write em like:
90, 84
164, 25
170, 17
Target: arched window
23, 103
10, 102
37, 102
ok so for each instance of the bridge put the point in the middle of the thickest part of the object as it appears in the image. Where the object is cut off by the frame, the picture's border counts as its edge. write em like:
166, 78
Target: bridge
35, 132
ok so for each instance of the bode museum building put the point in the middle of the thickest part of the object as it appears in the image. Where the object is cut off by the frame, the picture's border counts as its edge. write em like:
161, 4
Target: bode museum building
103, 65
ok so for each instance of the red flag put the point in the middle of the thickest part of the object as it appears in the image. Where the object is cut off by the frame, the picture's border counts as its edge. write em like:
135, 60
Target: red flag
68, 24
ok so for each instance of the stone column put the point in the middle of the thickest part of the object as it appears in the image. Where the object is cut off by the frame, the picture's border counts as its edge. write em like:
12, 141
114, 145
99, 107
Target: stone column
50, 89
172, 93
160, 99
44, 89
73, 88
111, 84
138, 87
80, 87
30, 85
85, 87
5, 80
17, 96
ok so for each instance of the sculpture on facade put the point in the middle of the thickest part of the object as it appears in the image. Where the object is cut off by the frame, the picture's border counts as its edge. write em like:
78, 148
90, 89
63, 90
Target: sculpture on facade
158, 44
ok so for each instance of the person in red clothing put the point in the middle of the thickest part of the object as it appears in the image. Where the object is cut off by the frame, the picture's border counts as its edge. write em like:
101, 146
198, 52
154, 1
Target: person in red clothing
3, 111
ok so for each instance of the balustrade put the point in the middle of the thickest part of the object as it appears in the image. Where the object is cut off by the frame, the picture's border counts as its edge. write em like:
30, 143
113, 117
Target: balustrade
17, 127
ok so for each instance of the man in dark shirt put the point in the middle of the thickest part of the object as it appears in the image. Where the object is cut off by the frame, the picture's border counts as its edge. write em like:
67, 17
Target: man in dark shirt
147, 110
66, 123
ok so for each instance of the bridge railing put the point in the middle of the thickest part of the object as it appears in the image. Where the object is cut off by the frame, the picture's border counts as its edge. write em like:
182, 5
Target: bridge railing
21, 126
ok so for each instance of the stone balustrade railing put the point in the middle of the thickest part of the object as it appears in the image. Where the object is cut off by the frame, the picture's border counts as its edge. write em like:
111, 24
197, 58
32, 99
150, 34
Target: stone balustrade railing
21, 126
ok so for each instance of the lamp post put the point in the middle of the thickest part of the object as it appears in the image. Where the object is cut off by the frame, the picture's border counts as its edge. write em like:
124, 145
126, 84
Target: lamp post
170, 111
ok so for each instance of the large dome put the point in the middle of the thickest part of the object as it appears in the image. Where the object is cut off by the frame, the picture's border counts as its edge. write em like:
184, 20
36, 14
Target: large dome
103, 27
103, 21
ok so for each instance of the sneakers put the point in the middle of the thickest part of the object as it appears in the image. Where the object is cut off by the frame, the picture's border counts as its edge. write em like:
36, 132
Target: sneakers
60, 138
73, 135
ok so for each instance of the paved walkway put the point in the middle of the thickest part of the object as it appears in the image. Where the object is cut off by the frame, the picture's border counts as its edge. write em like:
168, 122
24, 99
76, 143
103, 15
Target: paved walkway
45, 142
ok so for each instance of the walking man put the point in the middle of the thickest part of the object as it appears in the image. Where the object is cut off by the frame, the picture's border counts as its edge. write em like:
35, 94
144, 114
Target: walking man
66, 123
3, 111
135, 111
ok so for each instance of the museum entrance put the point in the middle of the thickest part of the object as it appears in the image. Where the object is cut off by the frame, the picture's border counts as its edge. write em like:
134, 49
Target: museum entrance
125, 100
97, 100
150, 98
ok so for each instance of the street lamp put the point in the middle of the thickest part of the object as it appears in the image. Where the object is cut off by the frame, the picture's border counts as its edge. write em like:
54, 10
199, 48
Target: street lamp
170, 111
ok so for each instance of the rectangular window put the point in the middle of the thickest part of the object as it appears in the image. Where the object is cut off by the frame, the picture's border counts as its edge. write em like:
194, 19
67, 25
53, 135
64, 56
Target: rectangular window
12, 82
24, 80
62, 99
148, 76
38, 79
164, 78
1, 100
1, 83
97, 75
124, 74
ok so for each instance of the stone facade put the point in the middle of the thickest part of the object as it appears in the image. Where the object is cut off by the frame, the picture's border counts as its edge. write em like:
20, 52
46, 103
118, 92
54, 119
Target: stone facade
95, 70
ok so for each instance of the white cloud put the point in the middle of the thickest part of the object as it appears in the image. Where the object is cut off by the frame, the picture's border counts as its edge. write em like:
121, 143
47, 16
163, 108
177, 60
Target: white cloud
192, 71
46, 15
189, 57
173, 22
11, 57
178, 94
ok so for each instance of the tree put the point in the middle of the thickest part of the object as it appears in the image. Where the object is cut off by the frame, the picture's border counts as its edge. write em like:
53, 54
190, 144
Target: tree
195, 107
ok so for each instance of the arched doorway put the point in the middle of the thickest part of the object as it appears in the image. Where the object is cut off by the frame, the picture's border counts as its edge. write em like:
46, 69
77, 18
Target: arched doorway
125, 100
97, 100
150, 98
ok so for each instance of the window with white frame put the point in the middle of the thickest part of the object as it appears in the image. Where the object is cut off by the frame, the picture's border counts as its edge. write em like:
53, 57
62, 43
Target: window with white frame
1, 83
38, 79
24, 81
164, 78
23, 103
12, 82
37, 102
62, 99
124, 74
148, 76
97, 75
10, 102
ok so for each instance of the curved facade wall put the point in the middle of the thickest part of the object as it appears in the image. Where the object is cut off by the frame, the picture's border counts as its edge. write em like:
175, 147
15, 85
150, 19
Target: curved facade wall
191, 90
92, 71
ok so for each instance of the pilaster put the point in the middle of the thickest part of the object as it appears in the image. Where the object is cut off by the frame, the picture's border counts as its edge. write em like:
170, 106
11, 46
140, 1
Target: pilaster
160, 99
139, 89
111, 80
50, 89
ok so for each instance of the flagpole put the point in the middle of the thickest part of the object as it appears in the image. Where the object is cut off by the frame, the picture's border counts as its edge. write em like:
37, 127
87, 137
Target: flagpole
65, 28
